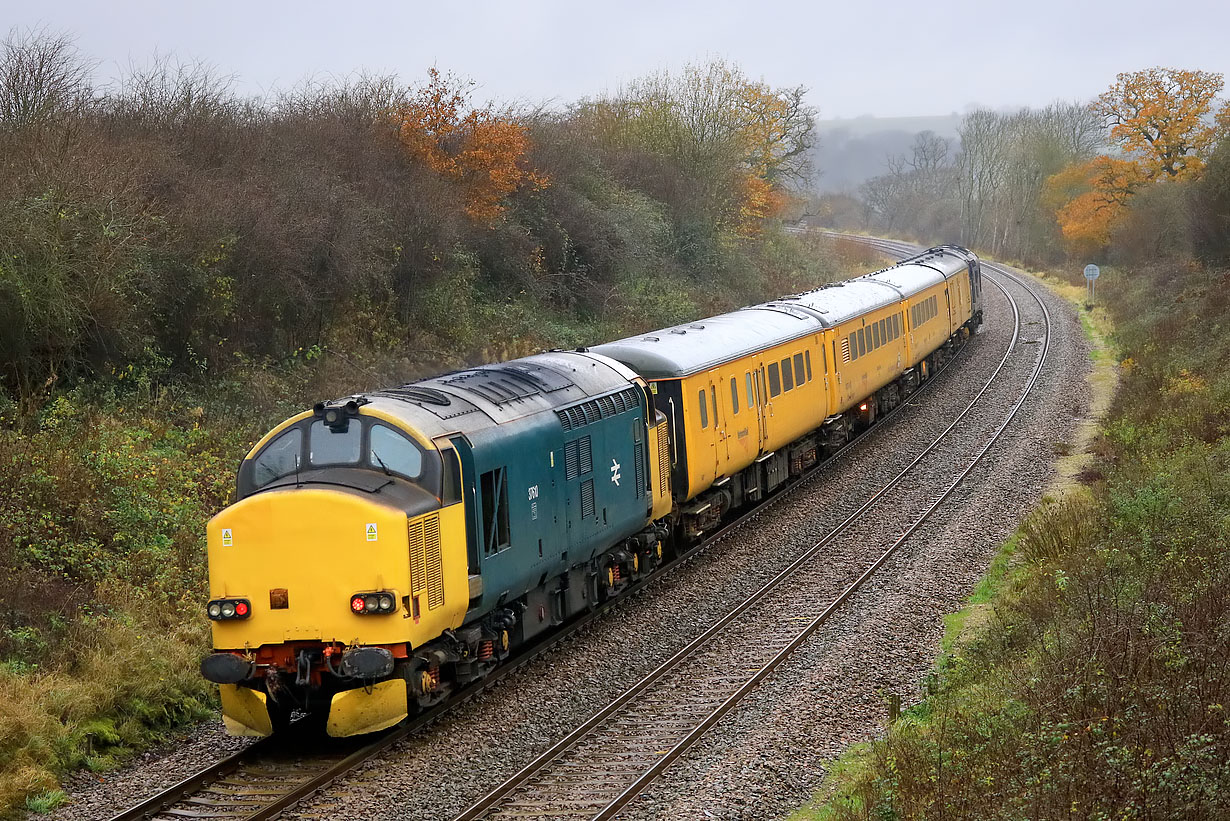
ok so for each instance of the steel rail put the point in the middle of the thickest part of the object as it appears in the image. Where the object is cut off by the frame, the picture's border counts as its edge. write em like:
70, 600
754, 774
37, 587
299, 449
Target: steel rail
516, 783
665, 761
270, 748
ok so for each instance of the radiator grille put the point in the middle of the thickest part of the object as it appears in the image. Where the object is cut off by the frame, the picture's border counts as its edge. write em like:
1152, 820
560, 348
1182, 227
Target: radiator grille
435, 563
640, 469
664, 459
418, 557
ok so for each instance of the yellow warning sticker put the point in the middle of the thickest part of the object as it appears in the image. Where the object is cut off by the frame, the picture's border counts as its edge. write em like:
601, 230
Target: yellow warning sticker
371, 531
227, 538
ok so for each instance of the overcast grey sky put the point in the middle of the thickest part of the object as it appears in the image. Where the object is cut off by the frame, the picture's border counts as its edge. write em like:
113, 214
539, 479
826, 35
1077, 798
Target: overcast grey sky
857, 56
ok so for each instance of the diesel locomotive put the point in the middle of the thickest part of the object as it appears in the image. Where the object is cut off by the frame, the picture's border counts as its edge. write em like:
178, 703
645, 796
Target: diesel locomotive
388, 548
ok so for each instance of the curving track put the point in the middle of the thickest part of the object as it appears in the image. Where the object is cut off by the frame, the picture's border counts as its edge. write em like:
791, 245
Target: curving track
635, 737
603, 765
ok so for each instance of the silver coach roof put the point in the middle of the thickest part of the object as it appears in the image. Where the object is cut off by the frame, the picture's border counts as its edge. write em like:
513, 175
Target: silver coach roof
697, 346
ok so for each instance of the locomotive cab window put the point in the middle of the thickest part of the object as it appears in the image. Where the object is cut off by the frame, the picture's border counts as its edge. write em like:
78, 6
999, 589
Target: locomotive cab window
328, 446
391, 451
279, 458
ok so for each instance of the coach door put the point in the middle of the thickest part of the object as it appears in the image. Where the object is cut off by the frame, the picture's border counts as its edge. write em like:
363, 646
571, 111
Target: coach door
720, 412
762, 418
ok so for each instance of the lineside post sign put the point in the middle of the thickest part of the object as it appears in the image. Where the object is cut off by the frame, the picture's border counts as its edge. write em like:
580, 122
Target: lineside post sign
1091, 276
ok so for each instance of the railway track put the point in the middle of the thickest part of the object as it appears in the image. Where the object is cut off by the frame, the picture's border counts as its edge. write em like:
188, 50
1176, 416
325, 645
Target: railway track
607, 762
273, 775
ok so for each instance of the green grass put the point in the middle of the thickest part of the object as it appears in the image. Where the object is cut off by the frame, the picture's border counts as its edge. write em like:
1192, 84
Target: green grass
46, 802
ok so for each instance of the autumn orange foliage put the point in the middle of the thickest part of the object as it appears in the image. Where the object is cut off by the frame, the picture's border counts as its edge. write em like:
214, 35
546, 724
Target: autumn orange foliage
481, 150
1093, 196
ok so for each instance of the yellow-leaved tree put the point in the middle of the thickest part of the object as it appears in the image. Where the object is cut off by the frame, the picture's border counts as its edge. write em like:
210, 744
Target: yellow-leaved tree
1159, 117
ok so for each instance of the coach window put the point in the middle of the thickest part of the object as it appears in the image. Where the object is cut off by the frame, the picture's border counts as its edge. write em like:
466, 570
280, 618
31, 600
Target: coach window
775, 380
734, 394
852, 345
704, 409
883, 331
748, 387
807, 356
875, 334
787, 375
799, 372
861, 336
280, 457
327, 446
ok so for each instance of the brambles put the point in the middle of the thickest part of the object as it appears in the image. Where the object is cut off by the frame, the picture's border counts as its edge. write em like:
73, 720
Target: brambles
181, 267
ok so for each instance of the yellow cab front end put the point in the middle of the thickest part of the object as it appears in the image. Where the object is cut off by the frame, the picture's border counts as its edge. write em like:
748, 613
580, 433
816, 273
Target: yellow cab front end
339, 560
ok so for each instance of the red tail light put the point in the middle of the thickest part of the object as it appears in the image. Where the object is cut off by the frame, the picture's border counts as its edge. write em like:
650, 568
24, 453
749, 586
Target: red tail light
368, 604
226, 609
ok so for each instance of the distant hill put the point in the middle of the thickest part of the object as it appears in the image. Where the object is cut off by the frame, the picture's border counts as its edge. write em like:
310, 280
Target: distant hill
852, 151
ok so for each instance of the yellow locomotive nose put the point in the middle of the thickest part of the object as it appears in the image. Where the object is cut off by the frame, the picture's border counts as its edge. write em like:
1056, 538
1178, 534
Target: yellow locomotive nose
297, 557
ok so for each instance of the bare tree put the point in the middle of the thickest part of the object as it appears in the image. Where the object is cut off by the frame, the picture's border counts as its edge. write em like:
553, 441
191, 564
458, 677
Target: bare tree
43, 77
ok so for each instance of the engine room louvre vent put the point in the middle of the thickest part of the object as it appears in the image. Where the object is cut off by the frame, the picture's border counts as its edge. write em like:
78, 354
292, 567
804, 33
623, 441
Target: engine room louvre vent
595, 410
578, 458
435, 563
585, 455
570, 461
587, 499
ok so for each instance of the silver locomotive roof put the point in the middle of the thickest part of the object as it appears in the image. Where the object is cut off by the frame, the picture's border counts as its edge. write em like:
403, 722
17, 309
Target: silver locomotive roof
474, 399
697, 346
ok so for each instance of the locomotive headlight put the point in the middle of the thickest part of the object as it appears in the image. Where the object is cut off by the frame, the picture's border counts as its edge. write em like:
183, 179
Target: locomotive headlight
366, 604
228, 609
214, 610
